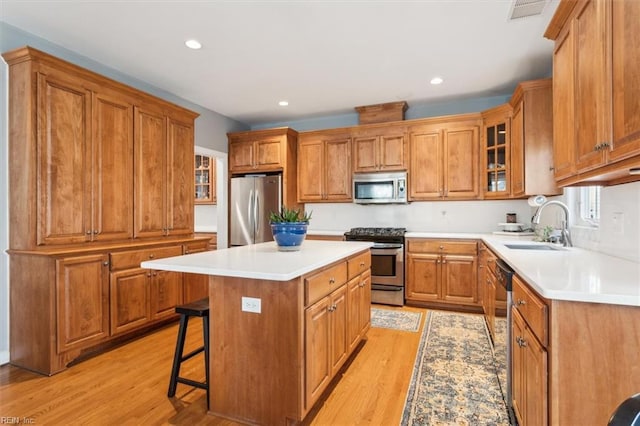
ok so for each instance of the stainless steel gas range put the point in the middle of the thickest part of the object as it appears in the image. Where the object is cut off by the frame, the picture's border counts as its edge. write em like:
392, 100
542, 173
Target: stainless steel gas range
387, 262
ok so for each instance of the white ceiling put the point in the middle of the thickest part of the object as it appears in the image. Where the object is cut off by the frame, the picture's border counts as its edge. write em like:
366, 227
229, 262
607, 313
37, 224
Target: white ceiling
324, 57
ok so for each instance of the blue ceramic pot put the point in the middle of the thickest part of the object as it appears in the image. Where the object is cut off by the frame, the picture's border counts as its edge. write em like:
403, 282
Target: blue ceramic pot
289, 235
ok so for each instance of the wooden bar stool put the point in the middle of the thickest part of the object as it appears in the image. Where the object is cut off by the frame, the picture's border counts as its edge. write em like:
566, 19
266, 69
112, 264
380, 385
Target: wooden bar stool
199, 308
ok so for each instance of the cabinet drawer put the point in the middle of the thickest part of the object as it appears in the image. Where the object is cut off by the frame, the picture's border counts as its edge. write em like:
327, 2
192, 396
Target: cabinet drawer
196, 247
440, 246
491, 261
532, 309
319, 285
359, 264
131, 259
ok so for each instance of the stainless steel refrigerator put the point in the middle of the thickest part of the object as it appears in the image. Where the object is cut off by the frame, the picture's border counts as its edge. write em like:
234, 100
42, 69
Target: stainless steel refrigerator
253, 198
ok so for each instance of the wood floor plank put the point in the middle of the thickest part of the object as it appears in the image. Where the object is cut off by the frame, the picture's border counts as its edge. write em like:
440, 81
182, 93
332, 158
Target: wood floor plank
128, 385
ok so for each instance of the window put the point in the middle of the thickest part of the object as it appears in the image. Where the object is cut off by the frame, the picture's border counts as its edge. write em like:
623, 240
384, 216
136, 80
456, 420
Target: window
590, 204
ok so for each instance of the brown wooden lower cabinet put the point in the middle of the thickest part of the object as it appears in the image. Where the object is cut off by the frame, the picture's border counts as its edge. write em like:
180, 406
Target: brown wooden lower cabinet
82, 301
442, 272
72, 301
196, 286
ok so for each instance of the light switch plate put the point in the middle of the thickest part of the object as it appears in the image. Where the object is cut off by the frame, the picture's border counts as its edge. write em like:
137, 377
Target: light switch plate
251, 304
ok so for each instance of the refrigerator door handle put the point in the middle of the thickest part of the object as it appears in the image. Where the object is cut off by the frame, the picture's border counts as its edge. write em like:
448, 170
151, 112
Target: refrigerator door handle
256, 209
250, 216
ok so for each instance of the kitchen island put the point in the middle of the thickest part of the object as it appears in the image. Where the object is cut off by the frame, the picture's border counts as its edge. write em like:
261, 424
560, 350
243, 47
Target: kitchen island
282, 324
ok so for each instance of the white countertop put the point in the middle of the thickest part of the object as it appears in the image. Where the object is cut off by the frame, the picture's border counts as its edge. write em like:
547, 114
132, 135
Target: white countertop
332, 232
571, 274
261, 261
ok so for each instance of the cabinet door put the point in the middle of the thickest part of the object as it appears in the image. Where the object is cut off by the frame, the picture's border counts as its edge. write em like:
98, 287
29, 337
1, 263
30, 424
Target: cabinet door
365, 302
535, 380
82, 301
354, 327
64, 175
338, 323
337, 170
268, 154
129, 299
459, 283
563, 107
149, 173
311, 170
625, 51
517, 150
112, 178
461, 163
179, 178
423, 276
365, 154
425, 153
165, 293
518, 367
392, 152
317, 364
592, 108
240, 156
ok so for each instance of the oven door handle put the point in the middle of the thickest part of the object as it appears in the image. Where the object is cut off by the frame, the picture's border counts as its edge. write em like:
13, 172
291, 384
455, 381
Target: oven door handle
386, 287
385, 251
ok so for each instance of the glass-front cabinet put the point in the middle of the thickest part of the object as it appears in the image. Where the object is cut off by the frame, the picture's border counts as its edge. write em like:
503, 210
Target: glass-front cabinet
205, 179
496, 155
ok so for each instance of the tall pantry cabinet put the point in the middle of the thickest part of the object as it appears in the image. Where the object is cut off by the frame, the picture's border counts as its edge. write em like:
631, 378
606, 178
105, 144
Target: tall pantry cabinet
100, 176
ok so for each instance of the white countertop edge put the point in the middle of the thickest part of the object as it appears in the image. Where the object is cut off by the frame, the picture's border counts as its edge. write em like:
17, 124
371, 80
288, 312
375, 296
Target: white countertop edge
184, 263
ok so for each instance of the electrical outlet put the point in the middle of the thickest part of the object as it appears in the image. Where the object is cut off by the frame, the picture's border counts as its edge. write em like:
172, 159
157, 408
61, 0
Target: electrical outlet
617, 222
251, 304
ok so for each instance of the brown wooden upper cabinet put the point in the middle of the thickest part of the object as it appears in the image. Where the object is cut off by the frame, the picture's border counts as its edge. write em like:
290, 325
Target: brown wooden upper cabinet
496, 159
595, 90
324, 167
260, 150
376, 150
205, 179
444, 158
163, 170
532, 169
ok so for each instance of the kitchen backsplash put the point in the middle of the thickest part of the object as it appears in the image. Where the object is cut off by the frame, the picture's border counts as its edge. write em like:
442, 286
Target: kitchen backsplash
436, 216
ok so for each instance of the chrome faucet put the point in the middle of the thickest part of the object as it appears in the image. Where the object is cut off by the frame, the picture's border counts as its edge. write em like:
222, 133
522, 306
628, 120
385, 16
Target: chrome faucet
566, 237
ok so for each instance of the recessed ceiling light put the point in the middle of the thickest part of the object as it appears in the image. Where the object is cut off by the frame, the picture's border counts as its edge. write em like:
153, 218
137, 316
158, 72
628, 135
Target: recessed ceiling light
283, 103
193, 44
436, 80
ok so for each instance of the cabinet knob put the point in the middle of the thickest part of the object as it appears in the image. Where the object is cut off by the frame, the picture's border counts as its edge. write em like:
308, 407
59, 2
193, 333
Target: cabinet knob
105, 263
88, 232
186, 252
148, 274
151, 256
155, 274
95, 232
521, 302
332, 280
441, 247
362, 264
444, 261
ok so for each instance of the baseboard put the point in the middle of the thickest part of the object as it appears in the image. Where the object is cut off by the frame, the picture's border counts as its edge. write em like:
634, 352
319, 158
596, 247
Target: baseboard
4, 357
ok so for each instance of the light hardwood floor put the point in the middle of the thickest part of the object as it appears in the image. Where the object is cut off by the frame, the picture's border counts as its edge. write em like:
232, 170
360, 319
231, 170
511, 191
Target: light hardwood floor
128, 385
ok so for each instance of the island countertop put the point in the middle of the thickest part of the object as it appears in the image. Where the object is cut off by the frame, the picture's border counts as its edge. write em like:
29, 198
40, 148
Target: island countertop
261, 261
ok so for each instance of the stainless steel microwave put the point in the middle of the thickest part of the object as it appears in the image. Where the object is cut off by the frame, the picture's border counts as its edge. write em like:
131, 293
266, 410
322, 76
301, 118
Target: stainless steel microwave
380, 188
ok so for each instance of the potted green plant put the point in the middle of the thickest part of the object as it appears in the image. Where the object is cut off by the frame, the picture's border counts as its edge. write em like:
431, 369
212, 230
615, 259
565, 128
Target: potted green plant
289, 227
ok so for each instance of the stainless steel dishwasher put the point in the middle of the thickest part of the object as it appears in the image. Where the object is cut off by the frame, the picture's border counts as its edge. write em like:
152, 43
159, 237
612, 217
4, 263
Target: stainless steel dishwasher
502, 338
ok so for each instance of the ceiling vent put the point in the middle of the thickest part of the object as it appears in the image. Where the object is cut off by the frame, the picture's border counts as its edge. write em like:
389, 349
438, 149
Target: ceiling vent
524, 8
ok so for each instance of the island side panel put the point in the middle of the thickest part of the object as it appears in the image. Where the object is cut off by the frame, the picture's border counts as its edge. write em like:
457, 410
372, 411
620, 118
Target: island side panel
594, 360
256, 358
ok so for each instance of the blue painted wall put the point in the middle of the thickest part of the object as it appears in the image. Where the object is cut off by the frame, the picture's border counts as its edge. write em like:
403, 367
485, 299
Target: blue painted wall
434, 109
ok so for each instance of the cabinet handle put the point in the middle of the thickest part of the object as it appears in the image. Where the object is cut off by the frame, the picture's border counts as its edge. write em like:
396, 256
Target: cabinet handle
151, 256
155, 274
437, 261
105, 263
186, 252
521, 302
444, 261
88, 232
441, 247
95, 232
481, 266
332, 280
148, 274
362, 264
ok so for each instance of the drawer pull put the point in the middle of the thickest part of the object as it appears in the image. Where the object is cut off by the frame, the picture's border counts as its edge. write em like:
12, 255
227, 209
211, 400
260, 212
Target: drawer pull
151, 256
105, 263
362, 264
441, 247
521, 302
332, 280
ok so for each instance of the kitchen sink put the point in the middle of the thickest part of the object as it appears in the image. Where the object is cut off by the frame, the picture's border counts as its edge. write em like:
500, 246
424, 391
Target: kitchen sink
534, 247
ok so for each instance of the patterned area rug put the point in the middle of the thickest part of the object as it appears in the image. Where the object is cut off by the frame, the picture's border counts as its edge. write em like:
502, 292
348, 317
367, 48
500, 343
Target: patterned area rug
396, 320
454, 380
